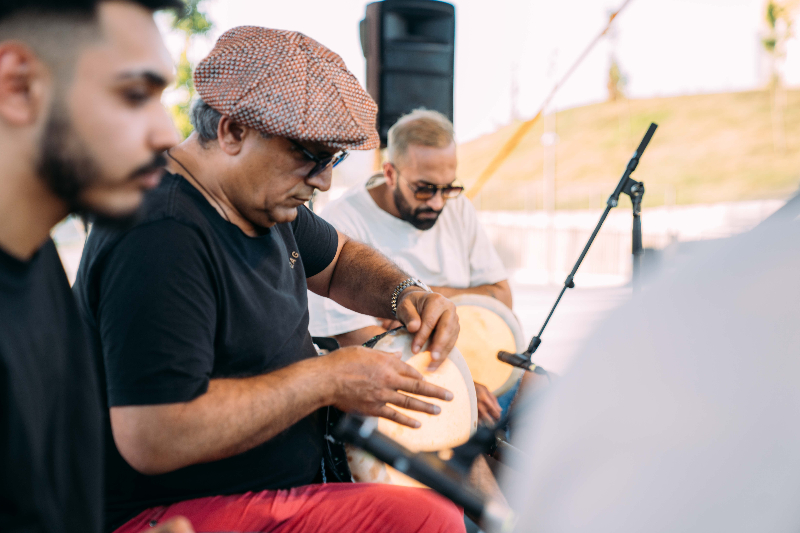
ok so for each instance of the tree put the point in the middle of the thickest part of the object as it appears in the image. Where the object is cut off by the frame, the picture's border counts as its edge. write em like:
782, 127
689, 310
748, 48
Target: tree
779, 19
778, 14
194, 22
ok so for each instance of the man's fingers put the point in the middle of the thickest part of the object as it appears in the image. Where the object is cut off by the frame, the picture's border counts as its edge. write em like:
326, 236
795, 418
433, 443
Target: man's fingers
413, 404
390, 414
388, 323
486, 412
408, 314
489, 408
423, 388
404, 369
492, 404
497, 411
444, 336
487, 419
493, 408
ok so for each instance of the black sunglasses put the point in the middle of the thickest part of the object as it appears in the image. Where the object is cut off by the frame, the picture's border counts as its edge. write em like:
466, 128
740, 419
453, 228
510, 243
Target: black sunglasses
321, 163
428, 191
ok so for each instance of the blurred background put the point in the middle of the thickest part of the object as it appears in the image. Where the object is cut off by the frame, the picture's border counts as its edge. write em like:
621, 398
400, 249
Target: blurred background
720, 77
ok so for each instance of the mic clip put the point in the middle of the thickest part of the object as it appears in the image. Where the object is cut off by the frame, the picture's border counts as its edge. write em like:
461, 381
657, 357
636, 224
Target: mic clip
523, 360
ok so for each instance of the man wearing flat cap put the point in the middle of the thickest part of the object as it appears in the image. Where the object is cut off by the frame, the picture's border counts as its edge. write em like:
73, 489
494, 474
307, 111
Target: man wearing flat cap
199, 312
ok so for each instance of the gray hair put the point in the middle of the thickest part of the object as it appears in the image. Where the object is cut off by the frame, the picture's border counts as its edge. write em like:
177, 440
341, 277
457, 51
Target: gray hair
205, 120
422, 127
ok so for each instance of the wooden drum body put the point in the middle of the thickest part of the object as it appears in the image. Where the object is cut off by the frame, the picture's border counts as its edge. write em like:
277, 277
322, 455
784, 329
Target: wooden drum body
488, 326
457, 420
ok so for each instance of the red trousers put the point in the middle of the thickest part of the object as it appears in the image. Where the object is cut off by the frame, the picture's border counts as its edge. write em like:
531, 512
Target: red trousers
334, 508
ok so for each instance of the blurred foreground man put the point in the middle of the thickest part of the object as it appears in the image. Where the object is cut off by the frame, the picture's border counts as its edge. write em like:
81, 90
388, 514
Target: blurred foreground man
214, 389
682, 413
80, 126
417, 217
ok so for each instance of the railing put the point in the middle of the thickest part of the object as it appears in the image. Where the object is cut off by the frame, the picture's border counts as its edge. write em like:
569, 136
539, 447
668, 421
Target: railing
540, 248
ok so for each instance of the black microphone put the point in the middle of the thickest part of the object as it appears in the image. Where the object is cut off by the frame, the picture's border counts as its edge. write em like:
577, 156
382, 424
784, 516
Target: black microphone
523, 360
520, 361
427, 468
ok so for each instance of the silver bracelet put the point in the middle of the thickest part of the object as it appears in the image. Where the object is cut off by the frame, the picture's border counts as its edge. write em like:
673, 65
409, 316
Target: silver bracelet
403, 286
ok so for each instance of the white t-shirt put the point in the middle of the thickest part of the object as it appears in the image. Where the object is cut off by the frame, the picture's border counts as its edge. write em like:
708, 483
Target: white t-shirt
455, 252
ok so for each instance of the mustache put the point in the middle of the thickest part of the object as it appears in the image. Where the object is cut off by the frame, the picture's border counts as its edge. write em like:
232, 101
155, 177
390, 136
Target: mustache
421, 210
159, 161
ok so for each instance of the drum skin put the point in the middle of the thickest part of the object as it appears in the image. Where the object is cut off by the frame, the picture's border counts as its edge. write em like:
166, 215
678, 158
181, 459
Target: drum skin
488, 326
453, 426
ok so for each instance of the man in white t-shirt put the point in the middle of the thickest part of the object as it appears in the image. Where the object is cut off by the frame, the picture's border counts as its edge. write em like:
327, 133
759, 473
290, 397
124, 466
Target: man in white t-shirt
417, 217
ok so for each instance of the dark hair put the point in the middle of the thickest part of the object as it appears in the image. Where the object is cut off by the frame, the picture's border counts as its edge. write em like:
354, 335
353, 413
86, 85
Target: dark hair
76, 7
154, 5
57, 7
205, 120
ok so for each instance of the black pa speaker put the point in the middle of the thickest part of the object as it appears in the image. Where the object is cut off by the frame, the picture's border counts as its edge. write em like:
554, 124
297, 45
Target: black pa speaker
410, 48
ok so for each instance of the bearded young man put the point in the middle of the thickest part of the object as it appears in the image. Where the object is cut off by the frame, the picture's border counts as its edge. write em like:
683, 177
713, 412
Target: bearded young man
417, 217
214, 389
81, 127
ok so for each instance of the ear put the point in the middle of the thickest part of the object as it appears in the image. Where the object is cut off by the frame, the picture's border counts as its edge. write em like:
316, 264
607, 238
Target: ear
23, 84
231, 135
390, 173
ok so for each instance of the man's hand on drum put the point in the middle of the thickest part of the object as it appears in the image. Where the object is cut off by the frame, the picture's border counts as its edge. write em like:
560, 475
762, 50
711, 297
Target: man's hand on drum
489, 410
368, 381
429, 315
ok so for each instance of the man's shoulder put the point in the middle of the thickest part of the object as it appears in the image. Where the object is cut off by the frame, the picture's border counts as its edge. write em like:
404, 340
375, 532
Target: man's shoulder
350, 209
169, 205
350, 201
173, 199
168, 214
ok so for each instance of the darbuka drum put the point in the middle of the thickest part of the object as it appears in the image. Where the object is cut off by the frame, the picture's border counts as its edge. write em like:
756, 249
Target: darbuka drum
453, 426
488, 326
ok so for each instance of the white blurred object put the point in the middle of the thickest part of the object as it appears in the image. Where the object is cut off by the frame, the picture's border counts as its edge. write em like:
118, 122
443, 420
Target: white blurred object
69, 236
682, 412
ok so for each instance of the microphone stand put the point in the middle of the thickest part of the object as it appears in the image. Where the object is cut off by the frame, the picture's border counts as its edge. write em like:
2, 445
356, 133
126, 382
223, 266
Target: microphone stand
635, 190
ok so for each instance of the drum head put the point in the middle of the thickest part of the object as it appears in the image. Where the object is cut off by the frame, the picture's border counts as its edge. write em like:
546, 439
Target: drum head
488, 326
458, 418
452, 427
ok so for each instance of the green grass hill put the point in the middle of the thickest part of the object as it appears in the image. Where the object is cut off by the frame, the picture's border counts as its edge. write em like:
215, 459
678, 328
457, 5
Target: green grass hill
708, 148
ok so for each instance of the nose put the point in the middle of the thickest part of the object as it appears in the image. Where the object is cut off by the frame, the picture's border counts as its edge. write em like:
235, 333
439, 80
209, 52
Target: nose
163, 133
322, 181
437, 202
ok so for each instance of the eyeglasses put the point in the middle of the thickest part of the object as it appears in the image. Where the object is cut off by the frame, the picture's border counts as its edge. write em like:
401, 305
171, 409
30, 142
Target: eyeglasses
321, 163
428, 191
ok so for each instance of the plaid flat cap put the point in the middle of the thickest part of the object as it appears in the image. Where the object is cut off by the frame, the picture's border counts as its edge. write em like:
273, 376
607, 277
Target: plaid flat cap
286, 84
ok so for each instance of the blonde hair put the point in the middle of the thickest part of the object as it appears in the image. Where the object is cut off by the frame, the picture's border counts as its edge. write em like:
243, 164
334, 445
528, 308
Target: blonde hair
422, 127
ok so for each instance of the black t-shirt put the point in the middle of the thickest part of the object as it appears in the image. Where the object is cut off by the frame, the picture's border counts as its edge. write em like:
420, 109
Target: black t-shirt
185, 297
50, 411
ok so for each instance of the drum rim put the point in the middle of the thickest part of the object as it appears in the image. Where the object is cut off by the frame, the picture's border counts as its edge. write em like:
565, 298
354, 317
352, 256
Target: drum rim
459, 361
511, 320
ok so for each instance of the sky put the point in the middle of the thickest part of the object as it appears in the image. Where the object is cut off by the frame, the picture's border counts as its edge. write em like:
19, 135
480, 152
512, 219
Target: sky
664, 48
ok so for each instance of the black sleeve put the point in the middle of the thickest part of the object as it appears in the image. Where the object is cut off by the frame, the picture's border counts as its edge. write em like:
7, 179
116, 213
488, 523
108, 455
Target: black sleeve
316, 239
157, 316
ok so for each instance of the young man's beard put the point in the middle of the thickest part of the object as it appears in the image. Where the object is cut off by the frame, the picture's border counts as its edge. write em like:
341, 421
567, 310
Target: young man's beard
64, 162
412, 216
68, 169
